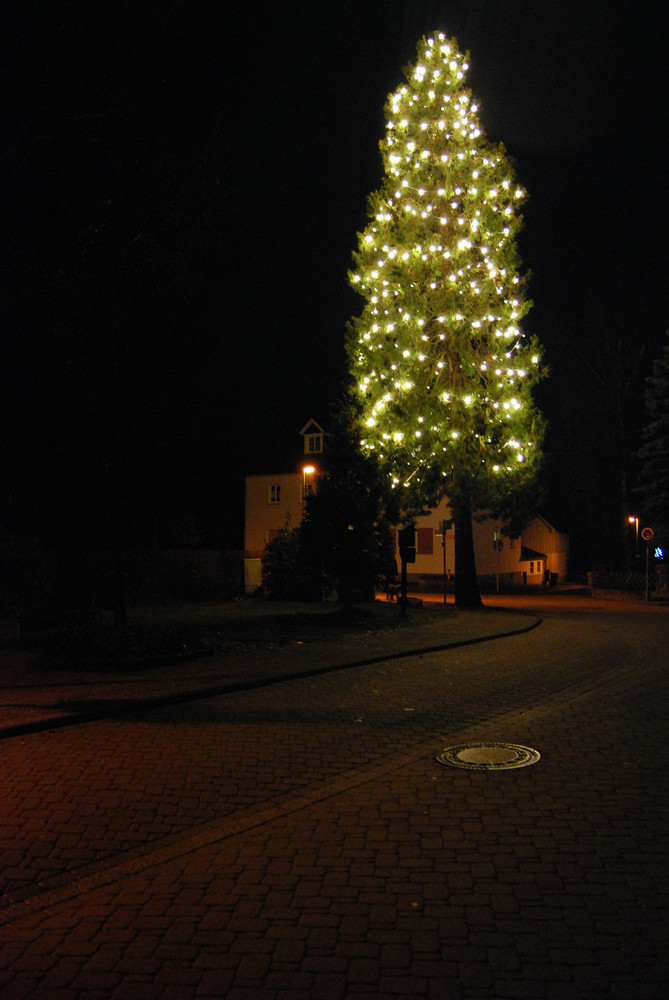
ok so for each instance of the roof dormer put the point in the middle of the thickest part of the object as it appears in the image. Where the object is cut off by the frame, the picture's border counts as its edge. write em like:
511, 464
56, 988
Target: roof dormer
313, 435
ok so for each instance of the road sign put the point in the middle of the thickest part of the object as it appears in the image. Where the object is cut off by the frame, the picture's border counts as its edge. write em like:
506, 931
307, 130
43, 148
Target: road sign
407, 537
647, 534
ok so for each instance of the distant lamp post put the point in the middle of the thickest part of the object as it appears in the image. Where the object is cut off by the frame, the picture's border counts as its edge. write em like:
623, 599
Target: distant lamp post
635, 521
307, 470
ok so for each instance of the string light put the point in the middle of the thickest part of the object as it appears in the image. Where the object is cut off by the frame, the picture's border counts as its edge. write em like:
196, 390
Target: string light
445, 219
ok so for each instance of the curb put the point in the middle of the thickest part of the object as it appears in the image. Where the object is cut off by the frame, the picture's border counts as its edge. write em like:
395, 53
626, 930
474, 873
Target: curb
129, 706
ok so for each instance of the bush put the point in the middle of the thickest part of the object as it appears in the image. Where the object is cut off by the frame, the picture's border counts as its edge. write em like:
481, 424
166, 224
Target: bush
285, 575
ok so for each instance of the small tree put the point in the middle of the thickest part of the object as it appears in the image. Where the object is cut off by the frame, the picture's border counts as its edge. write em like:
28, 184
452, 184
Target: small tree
443, 375
343, 542
285, 574
345, 532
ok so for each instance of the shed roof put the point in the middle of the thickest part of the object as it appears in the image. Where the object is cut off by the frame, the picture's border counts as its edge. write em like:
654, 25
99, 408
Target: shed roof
530, 555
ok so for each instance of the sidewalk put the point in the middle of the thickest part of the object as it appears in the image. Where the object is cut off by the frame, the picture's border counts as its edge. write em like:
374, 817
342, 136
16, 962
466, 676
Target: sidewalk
32, 699
305, 842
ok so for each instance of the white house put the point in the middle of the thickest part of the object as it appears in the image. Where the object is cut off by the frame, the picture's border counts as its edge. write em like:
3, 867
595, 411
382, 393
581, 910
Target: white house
539, 555
276, 501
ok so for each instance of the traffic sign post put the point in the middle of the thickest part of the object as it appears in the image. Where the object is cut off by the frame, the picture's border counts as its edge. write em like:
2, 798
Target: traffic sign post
647, 535
498, 545
444, 527
407, 540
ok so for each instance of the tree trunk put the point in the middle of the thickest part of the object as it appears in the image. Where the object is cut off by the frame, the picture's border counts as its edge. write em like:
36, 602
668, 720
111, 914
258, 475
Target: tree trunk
466, 583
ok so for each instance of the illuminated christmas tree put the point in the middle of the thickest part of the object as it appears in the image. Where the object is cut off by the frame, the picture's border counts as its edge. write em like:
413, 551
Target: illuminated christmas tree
442, 373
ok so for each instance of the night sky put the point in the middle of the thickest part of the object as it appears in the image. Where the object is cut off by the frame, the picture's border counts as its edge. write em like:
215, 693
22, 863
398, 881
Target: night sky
180, 192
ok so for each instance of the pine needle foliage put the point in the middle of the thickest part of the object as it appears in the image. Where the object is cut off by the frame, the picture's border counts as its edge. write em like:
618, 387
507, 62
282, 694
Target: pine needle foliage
442, 373
654, 451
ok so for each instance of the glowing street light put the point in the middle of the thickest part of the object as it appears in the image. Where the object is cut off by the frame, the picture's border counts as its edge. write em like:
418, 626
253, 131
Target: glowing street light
307, 470
635, 521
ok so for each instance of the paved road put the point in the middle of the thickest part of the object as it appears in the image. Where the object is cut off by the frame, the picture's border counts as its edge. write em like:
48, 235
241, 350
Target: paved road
302, 841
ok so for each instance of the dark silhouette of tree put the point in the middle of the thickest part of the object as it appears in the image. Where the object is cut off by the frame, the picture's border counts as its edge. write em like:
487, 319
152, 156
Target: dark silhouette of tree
112, 181
343, 544
286, 574
654, 452
345, 531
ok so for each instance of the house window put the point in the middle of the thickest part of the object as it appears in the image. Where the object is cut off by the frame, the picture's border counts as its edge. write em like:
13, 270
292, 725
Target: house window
539, 566
314, 444
424, 541
531, 567
275, 493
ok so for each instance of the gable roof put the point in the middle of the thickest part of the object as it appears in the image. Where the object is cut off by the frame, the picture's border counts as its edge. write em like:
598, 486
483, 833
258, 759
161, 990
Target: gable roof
311, 427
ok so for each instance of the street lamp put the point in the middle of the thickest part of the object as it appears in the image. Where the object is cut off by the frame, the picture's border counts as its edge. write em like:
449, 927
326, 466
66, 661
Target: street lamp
307, 470
635, 521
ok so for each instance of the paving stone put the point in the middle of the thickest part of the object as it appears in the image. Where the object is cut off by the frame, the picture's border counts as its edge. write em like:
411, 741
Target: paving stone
338, 858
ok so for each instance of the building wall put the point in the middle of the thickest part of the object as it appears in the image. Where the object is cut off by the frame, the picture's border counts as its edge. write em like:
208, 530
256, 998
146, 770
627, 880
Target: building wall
264, 516
263, 519
539, 536
542, 536
442, 560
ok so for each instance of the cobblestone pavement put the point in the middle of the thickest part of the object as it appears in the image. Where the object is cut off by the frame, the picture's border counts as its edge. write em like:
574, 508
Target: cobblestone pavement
31, 699
302, 841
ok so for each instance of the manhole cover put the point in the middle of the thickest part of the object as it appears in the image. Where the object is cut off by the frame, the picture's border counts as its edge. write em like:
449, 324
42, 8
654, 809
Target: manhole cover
488, 756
